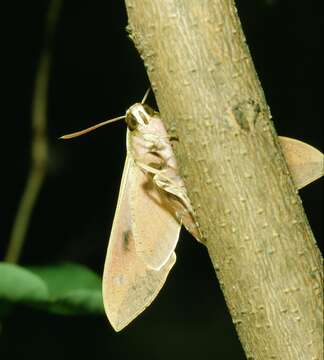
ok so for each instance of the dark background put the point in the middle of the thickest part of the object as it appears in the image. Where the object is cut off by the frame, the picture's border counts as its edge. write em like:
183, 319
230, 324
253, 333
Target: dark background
96, 74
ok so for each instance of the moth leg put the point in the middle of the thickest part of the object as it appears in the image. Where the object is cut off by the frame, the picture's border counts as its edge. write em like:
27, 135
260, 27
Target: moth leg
167, 180
173, 185
159, 162
162, 149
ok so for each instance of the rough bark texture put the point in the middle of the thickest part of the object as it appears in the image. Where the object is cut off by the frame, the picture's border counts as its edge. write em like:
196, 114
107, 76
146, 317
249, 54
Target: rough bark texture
249, 212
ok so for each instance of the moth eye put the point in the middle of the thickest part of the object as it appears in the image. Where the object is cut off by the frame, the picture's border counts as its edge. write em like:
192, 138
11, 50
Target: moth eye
148, 110
131, 122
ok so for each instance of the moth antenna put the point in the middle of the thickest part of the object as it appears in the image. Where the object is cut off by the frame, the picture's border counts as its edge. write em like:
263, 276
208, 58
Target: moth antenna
91, 128
146, 95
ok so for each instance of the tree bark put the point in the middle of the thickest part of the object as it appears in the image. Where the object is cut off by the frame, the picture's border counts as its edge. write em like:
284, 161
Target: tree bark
246, 204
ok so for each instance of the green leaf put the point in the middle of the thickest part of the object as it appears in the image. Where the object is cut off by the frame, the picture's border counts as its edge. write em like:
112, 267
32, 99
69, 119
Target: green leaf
73, 289
20, 285
80, 301
62, 289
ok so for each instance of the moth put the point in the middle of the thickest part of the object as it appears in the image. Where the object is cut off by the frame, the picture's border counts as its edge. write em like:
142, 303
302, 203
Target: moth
153, 205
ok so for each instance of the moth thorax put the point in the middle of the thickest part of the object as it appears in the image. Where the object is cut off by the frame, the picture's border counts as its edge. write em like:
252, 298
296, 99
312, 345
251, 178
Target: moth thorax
138, 115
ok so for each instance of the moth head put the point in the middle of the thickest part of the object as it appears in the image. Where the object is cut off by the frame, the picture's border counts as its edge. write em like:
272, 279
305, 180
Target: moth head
138, 115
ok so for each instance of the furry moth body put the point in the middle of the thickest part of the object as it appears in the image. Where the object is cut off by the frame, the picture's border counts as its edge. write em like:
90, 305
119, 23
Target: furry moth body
152, 205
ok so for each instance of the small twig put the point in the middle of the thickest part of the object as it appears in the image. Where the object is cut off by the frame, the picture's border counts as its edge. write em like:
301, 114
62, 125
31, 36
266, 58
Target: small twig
39, 144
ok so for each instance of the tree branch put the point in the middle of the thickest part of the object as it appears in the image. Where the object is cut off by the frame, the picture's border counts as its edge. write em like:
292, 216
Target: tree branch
256, 232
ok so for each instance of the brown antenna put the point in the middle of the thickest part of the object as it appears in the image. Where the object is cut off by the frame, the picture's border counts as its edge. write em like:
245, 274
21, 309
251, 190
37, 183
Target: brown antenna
91, 128
94, 127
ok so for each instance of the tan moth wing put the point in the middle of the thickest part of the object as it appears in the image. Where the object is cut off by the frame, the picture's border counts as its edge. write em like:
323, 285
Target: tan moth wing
305, 163
155, 227
129, 286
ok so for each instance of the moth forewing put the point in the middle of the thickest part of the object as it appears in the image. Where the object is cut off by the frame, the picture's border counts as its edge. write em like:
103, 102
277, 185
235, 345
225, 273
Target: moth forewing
129, 285
155, 226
